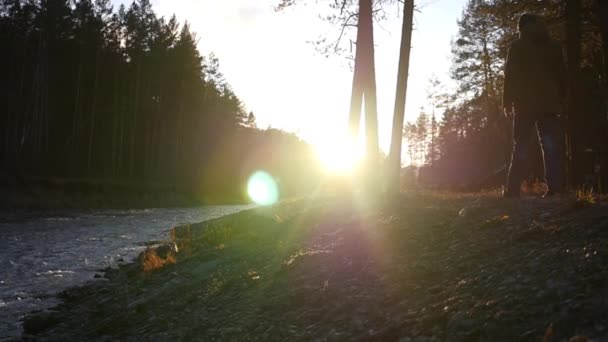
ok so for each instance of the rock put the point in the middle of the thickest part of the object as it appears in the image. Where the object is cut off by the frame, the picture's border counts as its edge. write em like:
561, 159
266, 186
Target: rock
463, 212
97, 276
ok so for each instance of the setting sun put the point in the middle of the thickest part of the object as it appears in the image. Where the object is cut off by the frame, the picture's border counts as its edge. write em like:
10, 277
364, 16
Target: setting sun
340, 156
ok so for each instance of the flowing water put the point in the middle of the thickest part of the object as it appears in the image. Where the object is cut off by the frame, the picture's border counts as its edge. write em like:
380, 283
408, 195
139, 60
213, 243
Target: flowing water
43, 253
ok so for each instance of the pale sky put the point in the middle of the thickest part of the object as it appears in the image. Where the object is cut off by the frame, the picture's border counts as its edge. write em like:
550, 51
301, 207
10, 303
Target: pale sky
265, 56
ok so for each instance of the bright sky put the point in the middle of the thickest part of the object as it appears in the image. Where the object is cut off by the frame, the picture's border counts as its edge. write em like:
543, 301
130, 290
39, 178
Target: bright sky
265, 56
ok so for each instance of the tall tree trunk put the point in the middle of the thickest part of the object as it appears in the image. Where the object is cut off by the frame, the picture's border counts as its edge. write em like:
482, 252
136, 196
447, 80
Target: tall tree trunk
364, 82
22, 105
37, 111
43, 134
573, 50
603, 16
432, 154
134, 131
356, 98
156, 156
116, 115
120, 113
394, 160
93, 111
369, 90
179, 136
15, 68
76, 115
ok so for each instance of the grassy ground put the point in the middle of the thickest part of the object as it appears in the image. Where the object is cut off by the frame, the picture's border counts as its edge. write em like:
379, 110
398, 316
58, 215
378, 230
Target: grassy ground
421, 267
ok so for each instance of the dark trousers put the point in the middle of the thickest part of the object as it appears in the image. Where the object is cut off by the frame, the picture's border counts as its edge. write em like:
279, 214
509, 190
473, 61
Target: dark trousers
548, 131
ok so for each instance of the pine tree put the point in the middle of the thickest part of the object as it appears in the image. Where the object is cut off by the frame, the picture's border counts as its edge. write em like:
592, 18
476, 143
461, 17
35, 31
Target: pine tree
422, 137
92, 93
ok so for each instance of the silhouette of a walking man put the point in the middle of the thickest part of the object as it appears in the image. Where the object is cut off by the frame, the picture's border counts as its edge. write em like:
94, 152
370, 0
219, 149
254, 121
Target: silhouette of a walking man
534, 90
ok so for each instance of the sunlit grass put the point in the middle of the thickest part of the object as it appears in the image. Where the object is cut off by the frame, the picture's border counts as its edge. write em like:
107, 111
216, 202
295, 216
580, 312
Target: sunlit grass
151, 260
584, 198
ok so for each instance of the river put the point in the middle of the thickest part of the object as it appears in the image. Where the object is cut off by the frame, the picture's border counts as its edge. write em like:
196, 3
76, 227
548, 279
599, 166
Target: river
44, 253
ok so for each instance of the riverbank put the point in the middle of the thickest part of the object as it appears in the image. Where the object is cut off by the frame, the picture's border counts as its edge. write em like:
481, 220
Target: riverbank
46, 252
423, 267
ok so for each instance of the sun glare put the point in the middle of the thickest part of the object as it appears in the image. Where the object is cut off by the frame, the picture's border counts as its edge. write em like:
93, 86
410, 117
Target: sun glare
340, 156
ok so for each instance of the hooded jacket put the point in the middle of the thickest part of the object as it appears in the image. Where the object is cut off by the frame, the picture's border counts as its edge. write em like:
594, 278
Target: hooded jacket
534, 72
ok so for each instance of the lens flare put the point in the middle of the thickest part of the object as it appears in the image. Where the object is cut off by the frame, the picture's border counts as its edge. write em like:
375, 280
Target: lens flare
262, 188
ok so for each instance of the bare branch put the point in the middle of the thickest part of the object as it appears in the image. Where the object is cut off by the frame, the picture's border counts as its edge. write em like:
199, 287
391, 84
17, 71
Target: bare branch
343, 7
344, 26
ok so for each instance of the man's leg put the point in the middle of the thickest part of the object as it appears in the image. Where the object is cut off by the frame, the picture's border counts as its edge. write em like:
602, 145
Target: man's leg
523, 127
551, 143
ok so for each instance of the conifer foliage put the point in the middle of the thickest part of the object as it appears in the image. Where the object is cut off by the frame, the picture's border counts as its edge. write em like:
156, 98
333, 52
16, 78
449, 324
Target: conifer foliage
475, 137
92, 92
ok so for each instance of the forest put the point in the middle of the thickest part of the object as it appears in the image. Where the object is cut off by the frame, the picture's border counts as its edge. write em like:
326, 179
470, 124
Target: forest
462, 135
122, 97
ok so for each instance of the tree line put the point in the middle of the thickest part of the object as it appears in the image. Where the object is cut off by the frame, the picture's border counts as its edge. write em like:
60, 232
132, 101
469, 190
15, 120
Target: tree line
92, 92
474, 136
